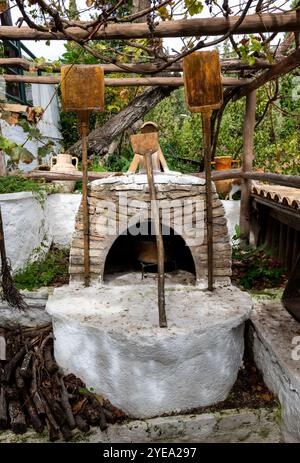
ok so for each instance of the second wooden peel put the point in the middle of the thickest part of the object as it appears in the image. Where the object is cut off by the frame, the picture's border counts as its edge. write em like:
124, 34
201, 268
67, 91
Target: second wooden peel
204, 93
146, 145
83, 91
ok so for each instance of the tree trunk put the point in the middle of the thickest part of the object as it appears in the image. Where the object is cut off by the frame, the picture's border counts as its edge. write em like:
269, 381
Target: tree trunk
140, 5
102, 137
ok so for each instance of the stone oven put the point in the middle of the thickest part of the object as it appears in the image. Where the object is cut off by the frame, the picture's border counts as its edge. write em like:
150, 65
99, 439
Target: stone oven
119, 209
108, 333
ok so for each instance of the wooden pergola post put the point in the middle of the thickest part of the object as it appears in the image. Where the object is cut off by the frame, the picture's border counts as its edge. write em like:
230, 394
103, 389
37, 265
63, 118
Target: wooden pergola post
248, 156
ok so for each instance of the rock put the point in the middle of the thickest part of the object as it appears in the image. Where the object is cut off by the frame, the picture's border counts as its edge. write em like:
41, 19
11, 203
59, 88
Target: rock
34, 316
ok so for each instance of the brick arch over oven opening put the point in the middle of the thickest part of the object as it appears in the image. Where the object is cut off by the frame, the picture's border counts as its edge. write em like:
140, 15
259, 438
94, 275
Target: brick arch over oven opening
123, 253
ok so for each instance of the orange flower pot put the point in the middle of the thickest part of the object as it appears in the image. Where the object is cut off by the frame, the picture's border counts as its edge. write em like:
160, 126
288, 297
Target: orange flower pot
224, 163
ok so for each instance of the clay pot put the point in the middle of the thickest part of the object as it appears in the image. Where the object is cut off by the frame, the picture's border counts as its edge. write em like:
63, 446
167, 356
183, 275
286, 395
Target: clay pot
64, 163
146, 251
224, 163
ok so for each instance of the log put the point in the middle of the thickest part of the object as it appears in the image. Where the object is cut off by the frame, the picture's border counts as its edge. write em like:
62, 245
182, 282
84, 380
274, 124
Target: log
252, 24
110, 417
19, 380
92, 414
82, 424
54, 428
140, 68
11, 393
284, 180
2, 348
13, 107
54, 433
63, 176
216, 175
66, 405
33, 332
37, 397
10, 366
39, 404
66, 432
221, 174
124, 81
17, 417
50, 363
292, 181
34, 418
46, 350
25, 369
3, 409
61, 419
103, 423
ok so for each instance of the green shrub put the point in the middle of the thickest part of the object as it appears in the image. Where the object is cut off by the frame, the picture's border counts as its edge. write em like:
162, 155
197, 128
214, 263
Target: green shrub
52, 269
256, 268
18, 183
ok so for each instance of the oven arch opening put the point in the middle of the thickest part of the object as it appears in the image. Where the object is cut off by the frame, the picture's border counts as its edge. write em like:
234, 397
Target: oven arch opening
134, 251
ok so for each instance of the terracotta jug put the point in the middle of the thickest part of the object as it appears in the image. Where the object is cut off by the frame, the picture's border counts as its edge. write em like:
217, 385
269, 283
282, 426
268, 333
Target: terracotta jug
63, 163
224, 163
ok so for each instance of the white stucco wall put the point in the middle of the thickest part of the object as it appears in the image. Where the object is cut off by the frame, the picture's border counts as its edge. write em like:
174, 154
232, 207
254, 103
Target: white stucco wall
31, 225
24, 226
60, 212
232, 212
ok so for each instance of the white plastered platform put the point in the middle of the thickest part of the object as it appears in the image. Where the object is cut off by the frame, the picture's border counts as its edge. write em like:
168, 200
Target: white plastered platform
110, 338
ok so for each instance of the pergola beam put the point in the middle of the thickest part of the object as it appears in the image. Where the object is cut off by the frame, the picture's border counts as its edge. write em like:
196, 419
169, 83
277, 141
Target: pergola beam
226, 65
124, 81
195, 27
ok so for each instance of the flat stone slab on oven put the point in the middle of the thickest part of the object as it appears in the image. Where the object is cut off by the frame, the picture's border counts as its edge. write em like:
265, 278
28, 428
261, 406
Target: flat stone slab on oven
175, 178
109, 337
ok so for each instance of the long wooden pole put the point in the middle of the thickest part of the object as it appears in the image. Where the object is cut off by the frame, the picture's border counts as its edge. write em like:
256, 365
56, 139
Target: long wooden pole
159, 242
292, 181
255, 23
226, 65
206, 124
248, 142
83, 120
216, 175
124, 81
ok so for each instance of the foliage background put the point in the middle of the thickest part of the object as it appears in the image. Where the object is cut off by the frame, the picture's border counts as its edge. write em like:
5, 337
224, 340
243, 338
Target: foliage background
277, 136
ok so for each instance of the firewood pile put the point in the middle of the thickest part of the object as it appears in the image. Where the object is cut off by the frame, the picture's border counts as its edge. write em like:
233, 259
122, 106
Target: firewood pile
34, 392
